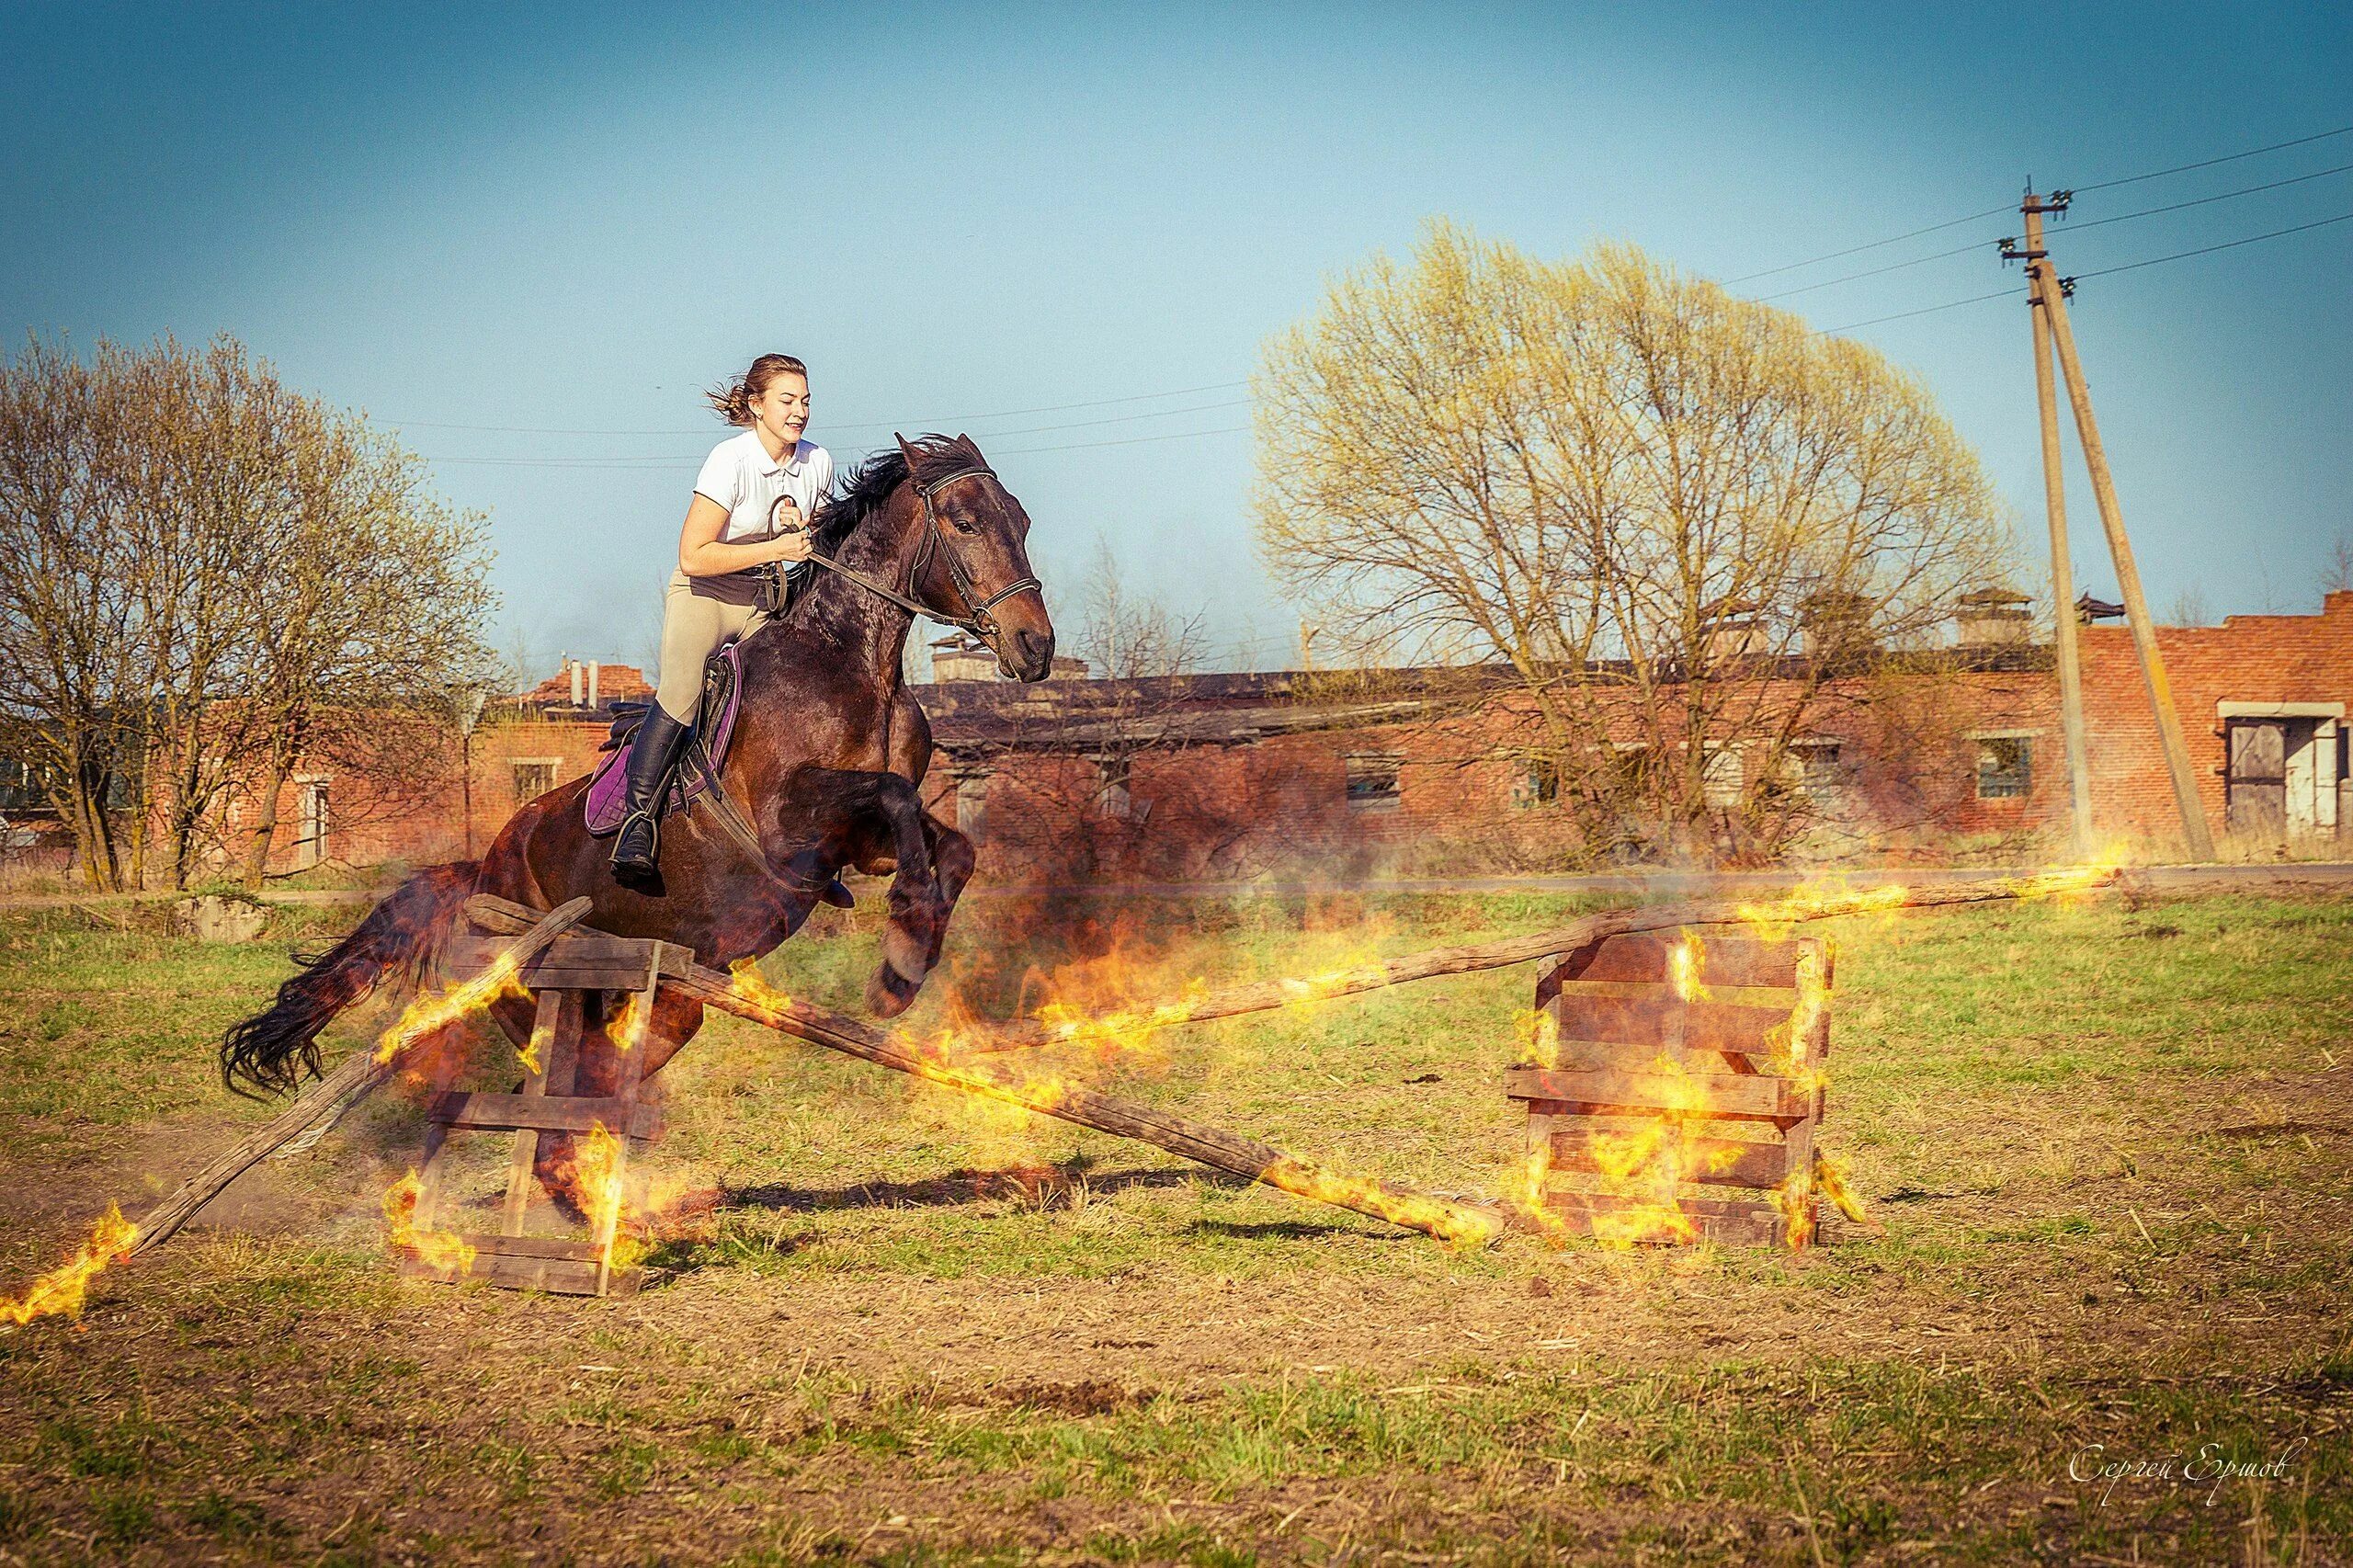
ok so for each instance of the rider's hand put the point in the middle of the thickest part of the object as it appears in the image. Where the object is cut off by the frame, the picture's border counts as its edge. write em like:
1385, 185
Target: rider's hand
793, 544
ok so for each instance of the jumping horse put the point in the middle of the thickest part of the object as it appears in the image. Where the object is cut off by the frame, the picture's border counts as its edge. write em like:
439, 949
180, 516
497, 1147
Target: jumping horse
828, 754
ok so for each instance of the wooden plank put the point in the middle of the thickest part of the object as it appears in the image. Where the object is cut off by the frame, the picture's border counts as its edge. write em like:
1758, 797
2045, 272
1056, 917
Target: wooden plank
532, 1246
1715, 1162
1624, 1053
527, 1139
1717, 1095
1662, 1018
1726, 1222
480, 1111
630, 1069
578, 962
1778, 999
557, 1277
1724, 959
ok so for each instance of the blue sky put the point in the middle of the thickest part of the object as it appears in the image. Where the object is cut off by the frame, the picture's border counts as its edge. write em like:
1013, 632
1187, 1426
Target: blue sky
527, 237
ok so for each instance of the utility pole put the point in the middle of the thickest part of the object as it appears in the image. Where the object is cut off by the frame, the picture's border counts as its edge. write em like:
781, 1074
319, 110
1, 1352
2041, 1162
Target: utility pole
2054, 498
2052, 302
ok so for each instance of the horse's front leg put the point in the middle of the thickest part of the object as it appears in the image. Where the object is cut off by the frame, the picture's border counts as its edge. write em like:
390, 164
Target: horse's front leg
833, 817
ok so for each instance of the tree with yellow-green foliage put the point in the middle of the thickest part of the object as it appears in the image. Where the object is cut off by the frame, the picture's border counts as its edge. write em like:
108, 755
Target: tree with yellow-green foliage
1633, 491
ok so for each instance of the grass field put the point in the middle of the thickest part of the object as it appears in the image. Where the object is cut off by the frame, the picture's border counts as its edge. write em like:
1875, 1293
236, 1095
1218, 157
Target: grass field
2110, 1146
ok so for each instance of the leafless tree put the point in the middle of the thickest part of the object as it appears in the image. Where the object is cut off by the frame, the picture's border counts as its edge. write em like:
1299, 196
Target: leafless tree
199, 565
1638, 494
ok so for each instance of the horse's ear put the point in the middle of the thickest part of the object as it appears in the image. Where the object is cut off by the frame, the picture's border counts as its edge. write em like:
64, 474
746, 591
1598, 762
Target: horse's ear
907, 452
971, 445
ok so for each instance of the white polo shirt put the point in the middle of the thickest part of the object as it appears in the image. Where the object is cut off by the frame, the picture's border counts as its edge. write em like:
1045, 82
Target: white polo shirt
740, 476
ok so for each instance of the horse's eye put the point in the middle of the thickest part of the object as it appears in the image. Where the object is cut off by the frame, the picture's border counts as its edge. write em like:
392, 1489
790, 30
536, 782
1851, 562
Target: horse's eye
962, 524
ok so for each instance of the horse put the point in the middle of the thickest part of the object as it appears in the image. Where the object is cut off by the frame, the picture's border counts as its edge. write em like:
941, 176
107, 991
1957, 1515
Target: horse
829, 752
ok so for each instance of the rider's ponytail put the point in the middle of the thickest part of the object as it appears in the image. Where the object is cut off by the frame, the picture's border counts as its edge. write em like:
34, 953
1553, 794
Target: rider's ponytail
733, 399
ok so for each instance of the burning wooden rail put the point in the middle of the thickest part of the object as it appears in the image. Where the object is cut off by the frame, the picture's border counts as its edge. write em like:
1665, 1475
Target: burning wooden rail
1164, 1130
1268, 995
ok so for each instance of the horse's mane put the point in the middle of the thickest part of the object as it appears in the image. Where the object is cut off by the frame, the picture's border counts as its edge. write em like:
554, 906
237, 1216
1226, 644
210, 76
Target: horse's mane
872, 482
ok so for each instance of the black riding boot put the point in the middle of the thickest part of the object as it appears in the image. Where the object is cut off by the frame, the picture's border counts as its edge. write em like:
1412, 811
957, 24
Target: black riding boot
651, 757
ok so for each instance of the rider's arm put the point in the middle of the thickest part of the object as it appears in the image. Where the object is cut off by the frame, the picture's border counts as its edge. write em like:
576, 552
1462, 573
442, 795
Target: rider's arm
701, 555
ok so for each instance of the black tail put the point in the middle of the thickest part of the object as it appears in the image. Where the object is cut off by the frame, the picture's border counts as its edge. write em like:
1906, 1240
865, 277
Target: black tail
270, 1051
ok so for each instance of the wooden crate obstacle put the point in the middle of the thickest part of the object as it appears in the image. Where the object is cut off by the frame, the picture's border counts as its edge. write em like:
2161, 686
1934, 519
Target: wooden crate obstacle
564, 975
1685, 1088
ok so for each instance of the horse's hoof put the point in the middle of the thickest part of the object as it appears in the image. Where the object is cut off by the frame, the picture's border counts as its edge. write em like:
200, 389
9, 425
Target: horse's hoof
834, 894
889, 993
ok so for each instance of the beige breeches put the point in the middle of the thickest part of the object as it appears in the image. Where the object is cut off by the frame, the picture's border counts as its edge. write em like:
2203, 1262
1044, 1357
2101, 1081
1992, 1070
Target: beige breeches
698, 615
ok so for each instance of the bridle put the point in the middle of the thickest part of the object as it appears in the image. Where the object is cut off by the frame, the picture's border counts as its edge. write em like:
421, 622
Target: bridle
976, 619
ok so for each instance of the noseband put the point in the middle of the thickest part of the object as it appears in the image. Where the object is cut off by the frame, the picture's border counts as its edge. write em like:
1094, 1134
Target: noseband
977, 619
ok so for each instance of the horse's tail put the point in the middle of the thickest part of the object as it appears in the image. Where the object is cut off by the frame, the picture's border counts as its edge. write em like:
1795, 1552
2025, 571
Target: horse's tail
269, 1052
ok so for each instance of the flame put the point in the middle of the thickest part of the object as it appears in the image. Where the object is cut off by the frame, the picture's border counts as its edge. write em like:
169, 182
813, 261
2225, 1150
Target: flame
626, 1028
425, 1014
444, 1252
1539, 1030
1683, 961
1830, 1178
65, 1287
746, 981
1450, 1222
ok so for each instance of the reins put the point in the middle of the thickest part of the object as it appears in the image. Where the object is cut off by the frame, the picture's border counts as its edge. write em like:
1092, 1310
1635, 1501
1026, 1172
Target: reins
977, 619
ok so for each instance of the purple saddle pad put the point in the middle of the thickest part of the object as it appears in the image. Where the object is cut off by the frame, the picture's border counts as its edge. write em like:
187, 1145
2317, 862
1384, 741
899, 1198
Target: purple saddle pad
607, 799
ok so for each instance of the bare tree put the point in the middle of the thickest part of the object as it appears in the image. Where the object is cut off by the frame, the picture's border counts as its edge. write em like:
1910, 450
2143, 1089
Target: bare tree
199, 565
1674, 516
73, 678
370, 607
2336, 571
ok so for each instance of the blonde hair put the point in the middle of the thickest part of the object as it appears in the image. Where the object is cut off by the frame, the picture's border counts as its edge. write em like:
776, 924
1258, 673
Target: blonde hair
733, 399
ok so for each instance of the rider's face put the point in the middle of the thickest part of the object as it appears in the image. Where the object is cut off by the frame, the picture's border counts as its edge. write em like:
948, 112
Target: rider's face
782, 408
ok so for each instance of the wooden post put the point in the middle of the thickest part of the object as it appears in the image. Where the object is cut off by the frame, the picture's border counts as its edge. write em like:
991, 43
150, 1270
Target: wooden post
2039, 280
2127, 578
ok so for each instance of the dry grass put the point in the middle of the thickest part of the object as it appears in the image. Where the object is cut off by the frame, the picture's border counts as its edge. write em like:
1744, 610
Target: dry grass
2110, 1147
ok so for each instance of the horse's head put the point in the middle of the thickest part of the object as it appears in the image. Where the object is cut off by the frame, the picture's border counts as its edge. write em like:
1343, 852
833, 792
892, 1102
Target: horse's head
973, 566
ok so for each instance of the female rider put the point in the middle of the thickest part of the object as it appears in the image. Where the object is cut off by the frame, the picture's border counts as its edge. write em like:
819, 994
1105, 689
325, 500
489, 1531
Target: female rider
751, 509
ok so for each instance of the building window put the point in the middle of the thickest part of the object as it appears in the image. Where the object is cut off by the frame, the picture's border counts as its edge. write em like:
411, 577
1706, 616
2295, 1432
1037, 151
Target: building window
22, 785
1818, 773
2005, 766
1538, 785
533, 778
1719, 775
1112, 798
310, 822
1372, 783
972, 806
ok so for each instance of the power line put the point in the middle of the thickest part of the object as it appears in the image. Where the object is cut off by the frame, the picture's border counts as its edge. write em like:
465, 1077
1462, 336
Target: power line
1853, 250
935, 420
2210, 163
2072, 228
2209, 250
1995, 211
1874, 272
1923, 310
2204, 200
2101, 272
687, 458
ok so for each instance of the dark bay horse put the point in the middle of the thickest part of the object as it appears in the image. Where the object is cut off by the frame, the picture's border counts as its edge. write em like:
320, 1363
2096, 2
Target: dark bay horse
828, 751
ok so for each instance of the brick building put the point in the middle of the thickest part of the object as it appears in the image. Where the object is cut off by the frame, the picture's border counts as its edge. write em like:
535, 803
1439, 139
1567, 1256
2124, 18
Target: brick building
1229, 775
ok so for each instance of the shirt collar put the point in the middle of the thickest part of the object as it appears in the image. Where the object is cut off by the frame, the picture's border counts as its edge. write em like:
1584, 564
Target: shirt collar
792, 462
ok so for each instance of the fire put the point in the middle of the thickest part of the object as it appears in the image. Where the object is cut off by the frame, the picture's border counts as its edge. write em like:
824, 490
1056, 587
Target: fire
744, 979
427, 1014
626, 1028
65, 1287
1450, 1222
444, 1252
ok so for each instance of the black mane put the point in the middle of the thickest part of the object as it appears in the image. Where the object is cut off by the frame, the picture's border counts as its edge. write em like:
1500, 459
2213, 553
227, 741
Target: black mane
872, 482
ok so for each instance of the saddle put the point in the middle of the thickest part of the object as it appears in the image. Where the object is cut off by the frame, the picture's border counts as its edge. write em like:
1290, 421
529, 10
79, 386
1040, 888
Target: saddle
607, 802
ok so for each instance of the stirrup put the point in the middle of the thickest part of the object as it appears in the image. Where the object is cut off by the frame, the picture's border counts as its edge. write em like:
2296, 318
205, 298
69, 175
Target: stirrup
653, 850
